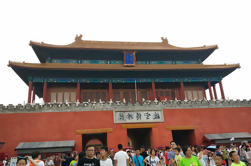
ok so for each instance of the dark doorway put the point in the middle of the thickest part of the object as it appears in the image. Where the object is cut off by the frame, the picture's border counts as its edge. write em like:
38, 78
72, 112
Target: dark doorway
139, 137
183, 137
98, 140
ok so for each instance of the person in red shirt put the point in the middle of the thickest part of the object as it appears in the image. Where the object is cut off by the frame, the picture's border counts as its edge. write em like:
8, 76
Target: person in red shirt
166, 154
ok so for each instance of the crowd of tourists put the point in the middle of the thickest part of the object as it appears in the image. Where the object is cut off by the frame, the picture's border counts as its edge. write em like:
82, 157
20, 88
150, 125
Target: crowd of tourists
173, 155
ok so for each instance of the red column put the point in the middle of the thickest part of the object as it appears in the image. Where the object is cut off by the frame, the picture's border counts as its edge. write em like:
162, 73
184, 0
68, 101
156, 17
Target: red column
33, 95
148, 94
182, 91
139, 95
110, 91
222, 91
78, 92
29, 92
153, 89
45, 92
215, 93
210, 90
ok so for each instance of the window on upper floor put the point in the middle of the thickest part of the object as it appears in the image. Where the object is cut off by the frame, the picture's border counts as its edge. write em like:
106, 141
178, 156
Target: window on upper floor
93, 61
163, 94
161, 62
141, 62
165, 62
186, 62
62, 96
94, 95
114, 62
194, 94
64, 61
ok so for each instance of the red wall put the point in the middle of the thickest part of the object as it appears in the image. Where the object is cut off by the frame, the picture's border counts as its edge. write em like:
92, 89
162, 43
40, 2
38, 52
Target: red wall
50, 126
211, 120
59, 126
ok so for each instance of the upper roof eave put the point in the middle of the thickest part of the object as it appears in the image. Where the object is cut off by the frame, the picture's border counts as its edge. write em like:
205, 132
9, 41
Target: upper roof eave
118, 45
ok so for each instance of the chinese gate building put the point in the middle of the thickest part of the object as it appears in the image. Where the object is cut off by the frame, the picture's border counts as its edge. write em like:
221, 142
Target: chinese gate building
134, 93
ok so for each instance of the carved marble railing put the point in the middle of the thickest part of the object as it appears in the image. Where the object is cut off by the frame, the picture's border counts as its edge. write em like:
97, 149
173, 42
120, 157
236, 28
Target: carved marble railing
146, 105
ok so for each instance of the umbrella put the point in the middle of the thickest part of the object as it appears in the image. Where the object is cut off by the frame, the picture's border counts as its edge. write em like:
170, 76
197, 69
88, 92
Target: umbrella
212, 148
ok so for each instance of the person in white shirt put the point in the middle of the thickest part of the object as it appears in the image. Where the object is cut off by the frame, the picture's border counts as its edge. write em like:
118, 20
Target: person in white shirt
5, 162
121, 158
105, 161
152, 159
49, 162
211, 156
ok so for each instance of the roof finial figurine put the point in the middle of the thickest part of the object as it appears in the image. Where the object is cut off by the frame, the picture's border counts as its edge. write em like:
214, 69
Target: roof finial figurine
78, 38
164, 40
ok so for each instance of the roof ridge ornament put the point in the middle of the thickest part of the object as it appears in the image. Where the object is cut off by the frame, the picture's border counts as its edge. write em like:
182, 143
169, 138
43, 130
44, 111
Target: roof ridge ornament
164, 40
78, 37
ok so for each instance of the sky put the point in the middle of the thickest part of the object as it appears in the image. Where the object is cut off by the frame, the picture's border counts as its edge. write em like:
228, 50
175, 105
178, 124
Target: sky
185, 23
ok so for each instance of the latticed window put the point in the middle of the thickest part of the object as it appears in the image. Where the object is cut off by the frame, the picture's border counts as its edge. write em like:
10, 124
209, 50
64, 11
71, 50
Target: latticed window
53, 97
194, 94
66, 96
62, 96
162, 94
143, 94
94, 95
116, 96
59, 97
73, 97
126, 96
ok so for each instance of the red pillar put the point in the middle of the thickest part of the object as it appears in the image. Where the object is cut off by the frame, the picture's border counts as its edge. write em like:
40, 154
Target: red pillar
78, 92
45, 92
148, 93
182, 91
153, 89
222, 91
110, 91
33, 95
29, 92
215, 93
210, 90
139, 99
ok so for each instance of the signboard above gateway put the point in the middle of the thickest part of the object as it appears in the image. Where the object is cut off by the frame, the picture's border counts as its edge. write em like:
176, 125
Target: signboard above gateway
138, 116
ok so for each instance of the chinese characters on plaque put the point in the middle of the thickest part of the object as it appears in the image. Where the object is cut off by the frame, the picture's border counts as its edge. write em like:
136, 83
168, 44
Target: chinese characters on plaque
138, 116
